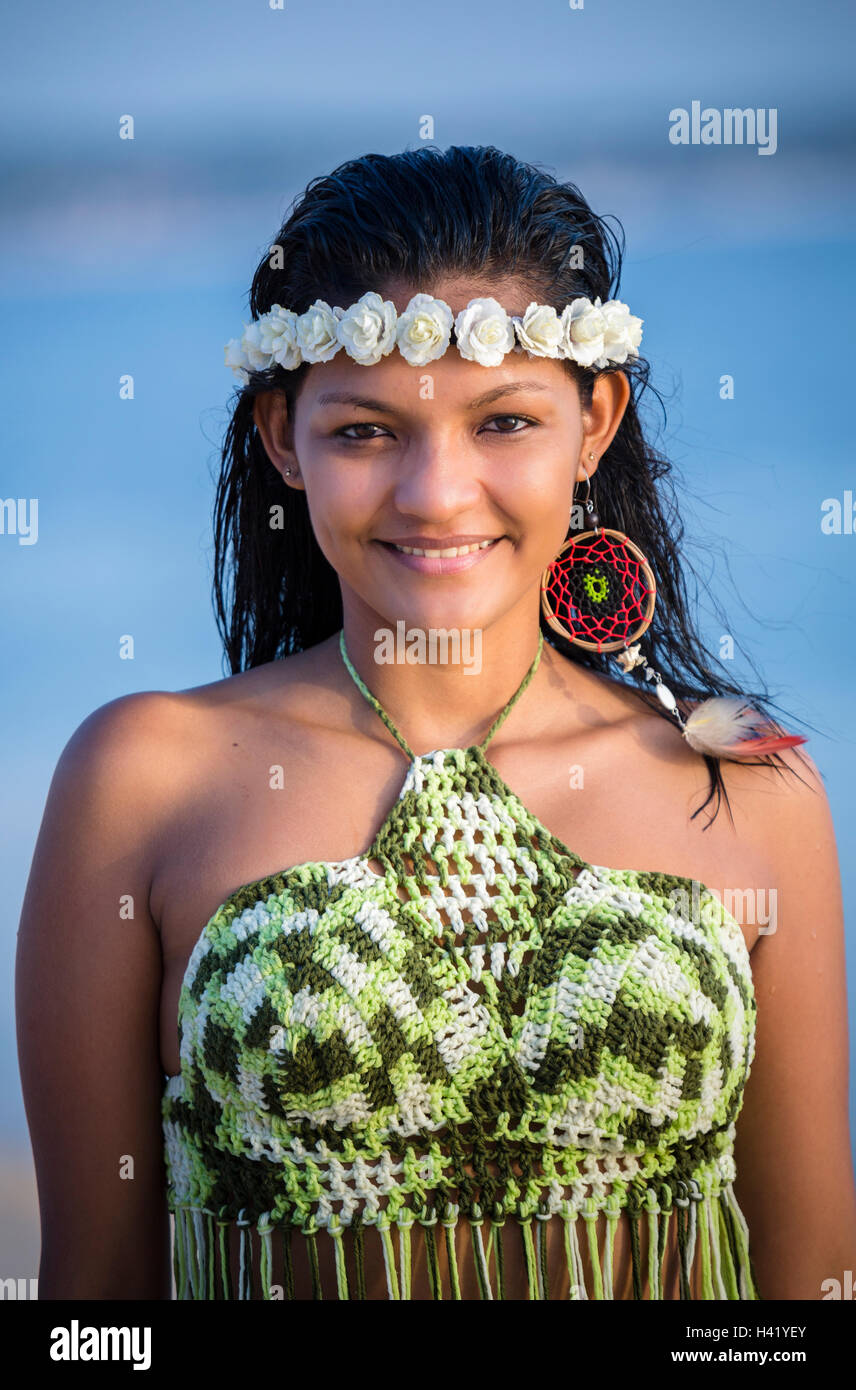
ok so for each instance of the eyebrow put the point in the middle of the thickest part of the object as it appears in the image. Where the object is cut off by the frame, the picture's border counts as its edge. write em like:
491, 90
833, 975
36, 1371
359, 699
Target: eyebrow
367, 403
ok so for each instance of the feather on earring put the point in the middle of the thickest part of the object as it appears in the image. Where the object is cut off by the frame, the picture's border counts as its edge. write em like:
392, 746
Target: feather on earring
726, 726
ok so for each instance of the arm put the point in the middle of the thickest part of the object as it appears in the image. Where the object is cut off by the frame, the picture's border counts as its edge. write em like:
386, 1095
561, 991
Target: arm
87, 1000
795, 1179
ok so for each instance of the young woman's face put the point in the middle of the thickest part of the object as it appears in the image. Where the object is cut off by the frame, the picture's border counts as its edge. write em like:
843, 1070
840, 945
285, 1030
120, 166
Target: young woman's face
442, 457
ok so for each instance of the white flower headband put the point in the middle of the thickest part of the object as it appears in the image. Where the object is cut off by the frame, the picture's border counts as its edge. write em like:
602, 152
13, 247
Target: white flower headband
591, 334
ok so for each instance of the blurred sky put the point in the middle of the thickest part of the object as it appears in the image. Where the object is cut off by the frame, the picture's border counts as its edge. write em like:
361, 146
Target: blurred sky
136, 256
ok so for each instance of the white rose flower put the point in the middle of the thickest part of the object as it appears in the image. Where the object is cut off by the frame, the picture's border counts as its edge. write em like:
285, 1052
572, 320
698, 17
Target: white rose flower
424, 329
623, 332
367, 329
539, 330
583, 327
236, 358
249, 354
484, 332
316, 332
278, 336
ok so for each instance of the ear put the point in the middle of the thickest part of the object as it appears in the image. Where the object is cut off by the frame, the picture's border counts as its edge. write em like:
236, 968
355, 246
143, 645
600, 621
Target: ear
609, 397
270, 413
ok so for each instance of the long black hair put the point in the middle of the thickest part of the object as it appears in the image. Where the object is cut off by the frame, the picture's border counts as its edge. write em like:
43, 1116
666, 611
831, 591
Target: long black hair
418, 216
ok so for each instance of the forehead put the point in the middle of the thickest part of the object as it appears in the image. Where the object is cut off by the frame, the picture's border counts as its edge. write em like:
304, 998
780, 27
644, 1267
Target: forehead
455, 383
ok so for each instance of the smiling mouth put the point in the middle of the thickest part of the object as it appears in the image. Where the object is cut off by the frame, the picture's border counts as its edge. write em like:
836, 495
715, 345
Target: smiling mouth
447, 554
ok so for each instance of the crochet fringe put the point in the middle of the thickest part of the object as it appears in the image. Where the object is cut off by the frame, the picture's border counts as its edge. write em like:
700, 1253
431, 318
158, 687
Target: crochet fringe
710, 1228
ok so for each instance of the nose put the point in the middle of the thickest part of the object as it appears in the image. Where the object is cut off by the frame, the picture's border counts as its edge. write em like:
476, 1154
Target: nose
436, 480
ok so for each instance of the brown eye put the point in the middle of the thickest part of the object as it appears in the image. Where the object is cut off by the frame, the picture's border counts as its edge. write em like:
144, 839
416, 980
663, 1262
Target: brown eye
524, 418
359, 425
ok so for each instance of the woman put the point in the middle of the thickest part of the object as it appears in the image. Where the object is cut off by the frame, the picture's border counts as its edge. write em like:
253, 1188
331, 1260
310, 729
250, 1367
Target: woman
430, 1048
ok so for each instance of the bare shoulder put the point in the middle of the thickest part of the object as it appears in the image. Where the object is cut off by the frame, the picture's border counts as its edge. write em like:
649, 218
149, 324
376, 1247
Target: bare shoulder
770, 817
122, 728
300, 685
125, 758
159, 731
782, 804
774, 800
143, 768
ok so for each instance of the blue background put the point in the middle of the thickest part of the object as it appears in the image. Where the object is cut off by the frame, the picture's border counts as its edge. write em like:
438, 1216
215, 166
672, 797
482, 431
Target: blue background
122, 256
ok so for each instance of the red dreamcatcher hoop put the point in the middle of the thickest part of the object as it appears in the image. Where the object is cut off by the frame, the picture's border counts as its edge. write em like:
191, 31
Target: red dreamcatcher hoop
600, 591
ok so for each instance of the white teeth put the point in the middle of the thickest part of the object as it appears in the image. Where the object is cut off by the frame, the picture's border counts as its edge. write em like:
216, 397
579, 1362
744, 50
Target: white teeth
444, 554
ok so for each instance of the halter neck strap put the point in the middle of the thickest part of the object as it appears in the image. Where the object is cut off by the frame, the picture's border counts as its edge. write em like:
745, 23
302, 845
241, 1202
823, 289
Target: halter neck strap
378, 707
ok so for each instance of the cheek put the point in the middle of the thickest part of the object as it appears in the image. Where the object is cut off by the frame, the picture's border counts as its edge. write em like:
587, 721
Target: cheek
544, 517
543, 501
341, 508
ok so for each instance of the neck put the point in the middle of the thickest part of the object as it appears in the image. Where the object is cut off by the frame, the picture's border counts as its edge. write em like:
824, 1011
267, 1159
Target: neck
443, 686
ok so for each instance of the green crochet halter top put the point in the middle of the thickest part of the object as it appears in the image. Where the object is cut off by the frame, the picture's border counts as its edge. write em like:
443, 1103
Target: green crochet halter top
467, 1026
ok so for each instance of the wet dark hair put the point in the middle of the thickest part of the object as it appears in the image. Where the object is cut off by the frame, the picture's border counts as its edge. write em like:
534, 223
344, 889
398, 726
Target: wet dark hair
419, 216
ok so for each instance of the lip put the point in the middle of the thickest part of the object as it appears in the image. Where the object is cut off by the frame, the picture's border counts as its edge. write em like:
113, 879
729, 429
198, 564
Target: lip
436, 542
450, 564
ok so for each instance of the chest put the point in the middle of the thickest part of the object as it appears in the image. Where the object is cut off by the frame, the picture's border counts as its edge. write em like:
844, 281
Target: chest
258, 810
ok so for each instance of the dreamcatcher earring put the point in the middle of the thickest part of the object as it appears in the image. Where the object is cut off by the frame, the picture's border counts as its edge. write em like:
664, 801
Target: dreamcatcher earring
599, 593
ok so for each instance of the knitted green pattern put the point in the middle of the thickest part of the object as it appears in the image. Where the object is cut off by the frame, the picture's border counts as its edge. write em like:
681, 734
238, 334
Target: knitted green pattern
467, 993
